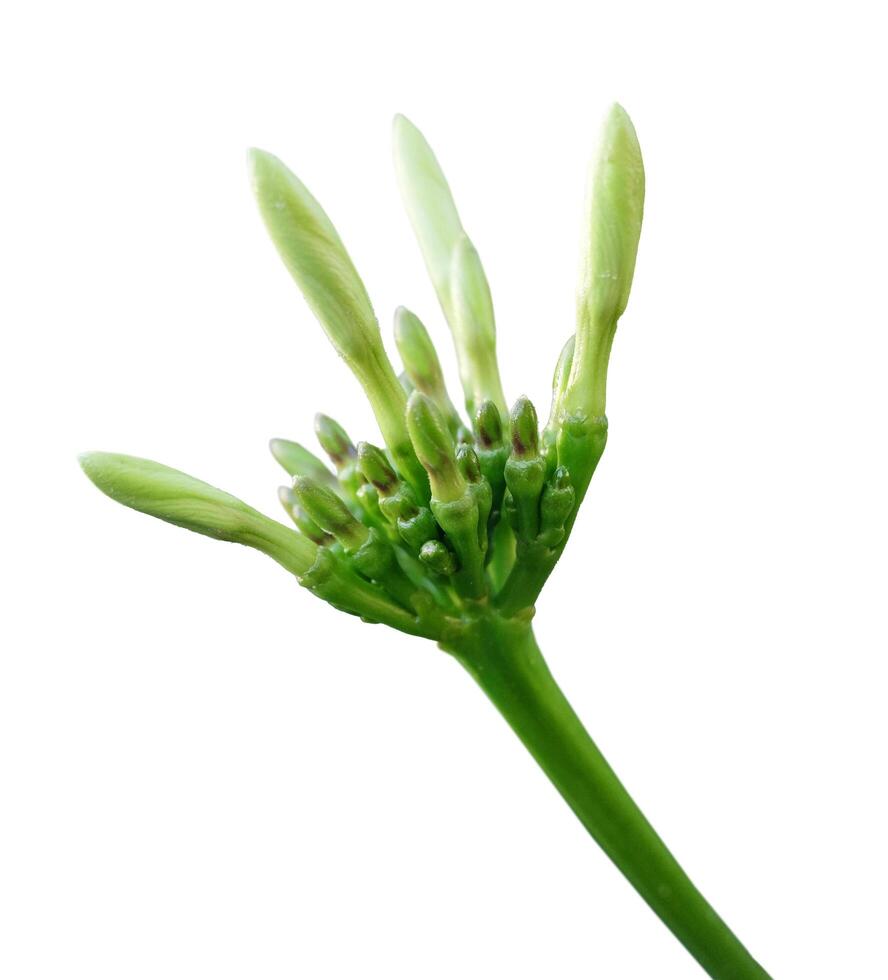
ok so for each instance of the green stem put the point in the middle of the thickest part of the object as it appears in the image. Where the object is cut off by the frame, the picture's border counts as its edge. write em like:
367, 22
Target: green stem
503, 657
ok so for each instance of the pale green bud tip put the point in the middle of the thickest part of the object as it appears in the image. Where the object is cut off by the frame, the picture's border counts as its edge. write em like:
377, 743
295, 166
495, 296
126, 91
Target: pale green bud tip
329, 512
298, 461
614, 213
434, 446
334, 439
315, 257
177, 498
525, 428
375, 468
417, 351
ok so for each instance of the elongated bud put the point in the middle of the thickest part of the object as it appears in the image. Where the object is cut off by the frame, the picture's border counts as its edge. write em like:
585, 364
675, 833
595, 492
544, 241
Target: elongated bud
479, 488
421, 363
316, 258
434, 447
302, 521
314, 255
559, 381
448, 252
438, 557
330, 513
376, 469
298, 461
429, 204
613, 226
525, 429
474, 329
177, 498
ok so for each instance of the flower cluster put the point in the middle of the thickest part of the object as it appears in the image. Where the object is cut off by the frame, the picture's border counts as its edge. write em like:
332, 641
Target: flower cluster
453, 517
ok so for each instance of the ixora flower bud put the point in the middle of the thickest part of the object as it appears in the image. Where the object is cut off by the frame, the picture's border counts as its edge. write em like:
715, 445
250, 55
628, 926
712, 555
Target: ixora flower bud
298, 461
420, 537
330, 513
316, 258
452, 262
177, 498
614, 210
421, 363
434, 447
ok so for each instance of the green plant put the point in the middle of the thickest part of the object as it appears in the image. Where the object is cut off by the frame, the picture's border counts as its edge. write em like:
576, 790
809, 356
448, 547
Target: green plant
451, 529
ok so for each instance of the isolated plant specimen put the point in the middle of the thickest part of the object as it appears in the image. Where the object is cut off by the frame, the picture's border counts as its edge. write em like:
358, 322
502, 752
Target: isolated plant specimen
450, 529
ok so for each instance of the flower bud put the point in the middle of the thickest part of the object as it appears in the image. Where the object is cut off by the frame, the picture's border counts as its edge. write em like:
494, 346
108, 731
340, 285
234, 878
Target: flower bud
615, 203
177, 498
434, 447
298, 461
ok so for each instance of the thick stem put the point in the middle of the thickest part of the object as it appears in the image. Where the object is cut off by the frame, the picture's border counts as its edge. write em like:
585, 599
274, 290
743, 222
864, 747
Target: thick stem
503, 657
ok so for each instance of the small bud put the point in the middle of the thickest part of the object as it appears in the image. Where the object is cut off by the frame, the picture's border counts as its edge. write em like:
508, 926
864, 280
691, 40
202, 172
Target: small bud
422, 365
177, 498
330, 513
438, 558
525, 429
556, 505
376, 469
298, 461
434, 447
489, 425
491, 451
418, 353
467, 461
302, 521
334, 440
525, 470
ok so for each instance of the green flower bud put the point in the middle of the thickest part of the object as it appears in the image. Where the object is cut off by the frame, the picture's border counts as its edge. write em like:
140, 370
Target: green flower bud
376, 469
492, 452
429, 204
434, 447
177, 498
615, 204
334, 441
474, 329
421, 363
330, 513
525, 470
467, 461
525, 429
298, 461
489, 426
438, 557
452, 263
303, 522
556, 505
316, 258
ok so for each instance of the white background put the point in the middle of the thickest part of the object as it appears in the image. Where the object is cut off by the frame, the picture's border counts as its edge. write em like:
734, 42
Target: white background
205, 772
